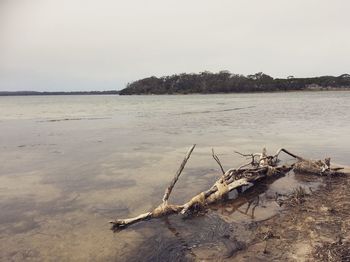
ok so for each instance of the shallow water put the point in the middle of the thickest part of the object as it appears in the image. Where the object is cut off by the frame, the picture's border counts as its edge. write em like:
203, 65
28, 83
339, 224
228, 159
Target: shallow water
71, 163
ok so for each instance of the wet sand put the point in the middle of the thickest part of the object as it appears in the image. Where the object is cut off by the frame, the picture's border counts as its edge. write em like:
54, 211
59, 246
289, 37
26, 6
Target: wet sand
317, 229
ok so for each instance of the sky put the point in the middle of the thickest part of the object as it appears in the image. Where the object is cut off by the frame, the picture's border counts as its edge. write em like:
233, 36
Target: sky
66, 45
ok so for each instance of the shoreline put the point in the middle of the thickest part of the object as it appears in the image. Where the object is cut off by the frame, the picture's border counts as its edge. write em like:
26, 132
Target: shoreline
57, 93
114, 93
252, 92
315, 228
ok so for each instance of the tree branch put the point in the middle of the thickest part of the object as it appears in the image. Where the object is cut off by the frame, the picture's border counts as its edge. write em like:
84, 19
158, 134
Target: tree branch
177, 175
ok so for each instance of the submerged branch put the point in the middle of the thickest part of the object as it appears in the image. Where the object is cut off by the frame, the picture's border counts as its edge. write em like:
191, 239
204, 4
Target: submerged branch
234, 178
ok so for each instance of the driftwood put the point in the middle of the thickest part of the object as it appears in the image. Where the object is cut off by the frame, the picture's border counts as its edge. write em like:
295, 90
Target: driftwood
260, 166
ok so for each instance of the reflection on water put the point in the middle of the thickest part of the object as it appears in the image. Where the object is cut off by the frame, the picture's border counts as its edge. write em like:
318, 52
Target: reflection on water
219, 232
70, 164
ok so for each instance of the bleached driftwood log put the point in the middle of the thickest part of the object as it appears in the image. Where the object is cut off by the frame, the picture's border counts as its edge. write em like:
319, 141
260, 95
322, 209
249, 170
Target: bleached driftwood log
260, 166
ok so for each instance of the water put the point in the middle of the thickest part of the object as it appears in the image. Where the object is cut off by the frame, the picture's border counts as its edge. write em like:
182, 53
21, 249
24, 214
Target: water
69, 164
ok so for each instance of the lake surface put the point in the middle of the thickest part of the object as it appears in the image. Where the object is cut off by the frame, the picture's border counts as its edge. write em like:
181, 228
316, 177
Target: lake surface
69, 164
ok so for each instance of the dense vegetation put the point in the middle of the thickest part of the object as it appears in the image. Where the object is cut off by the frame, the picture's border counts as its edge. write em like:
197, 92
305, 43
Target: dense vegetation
225, 82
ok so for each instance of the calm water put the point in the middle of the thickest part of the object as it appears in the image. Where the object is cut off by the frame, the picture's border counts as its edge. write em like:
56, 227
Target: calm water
71, 163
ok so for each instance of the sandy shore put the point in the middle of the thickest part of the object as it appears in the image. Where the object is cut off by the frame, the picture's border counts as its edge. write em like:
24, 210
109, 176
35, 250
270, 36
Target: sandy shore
315, 228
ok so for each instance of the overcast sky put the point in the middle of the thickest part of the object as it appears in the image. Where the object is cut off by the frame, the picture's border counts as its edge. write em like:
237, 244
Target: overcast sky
100, 45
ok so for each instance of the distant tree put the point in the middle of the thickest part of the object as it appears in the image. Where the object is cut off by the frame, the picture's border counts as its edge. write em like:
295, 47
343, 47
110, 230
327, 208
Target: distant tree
260, 76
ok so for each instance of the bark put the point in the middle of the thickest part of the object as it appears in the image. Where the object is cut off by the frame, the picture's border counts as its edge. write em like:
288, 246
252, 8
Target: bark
234, 178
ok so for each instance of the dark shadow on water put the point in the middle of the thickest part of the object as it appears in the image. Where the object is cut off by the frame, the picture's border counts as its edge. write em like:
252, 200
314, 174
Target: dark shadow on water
73, 119
206, 235
215, 111
213, 234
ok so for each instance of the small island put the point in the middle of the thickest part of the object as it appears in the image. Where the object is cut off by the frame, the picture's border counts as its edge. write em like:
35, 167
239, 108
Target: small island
226, 82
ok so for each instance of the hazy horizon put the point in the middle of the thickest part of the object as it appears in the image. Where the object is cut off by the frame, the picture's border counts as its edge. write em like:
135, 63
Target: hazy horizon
102, 45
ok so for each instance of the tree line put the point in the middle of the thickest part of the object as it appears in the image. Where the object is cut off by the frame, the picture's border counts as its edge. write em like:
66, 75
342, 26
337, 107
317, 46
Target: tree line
226, 82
